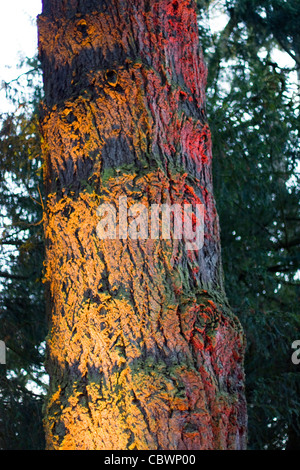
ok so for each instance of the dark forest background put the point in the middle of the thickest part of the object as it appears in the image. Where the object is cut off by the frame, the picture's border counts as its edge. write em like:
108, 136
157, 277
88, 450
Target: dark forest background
253, 107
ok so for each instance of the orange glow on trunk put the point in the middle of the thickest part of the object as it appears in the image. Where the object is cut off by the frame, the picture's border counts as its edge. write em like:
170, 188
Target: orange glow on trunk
143, 351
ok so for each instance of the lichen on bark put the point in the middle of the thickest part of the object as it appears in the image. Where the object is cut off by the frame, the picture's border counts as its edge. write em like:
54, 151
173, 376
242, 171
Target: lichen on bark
143, 351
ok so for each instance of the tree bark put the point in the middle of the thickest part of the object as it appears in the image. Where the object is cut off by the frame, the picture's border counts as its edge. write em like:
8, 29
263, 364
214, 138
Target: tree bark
143, 351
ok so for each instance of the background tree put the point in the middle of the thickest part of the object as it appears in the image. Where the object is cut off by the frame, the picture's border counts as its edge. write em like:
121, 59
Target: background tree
254, 116
22, 317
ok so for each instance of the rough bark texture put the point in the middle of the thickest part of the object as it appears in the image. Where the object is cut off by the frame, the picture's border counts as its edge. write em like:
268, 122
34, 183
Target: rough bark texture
143, 351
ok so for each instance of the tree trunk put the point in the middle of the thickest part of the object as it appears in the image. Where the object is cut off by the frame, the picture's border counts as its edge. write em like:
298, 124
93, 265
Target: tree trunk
143, 350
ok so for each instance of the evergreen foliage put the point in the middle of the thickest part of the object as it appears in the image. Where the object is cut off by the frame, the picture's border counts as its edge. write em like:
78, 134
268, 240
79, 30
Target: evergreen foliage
22, 311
